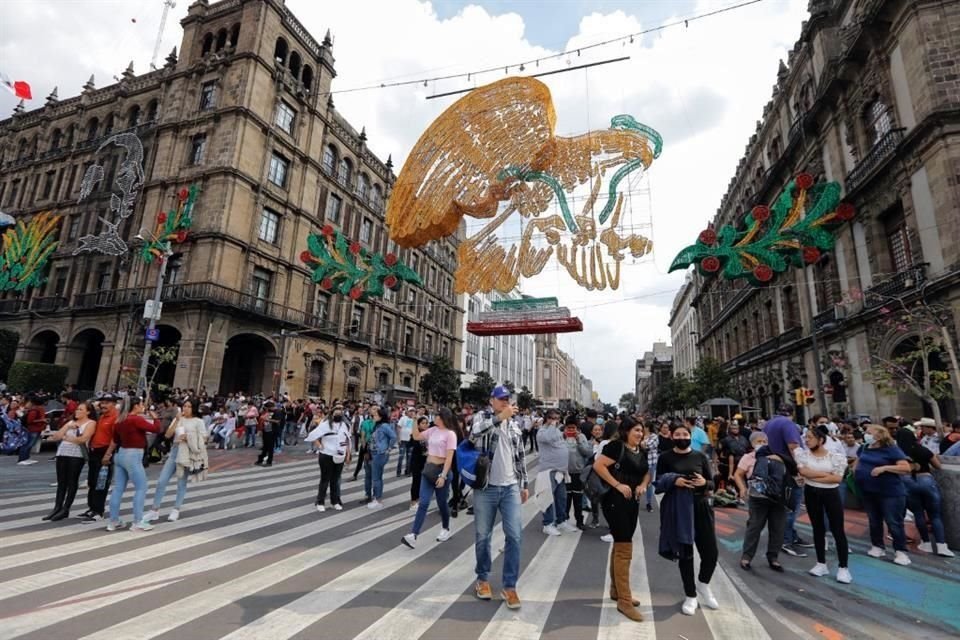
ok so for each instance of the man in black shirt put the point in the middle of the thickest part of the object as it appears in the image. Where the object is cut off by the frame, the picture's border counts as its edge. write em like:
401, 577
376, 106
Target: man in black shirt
271, 427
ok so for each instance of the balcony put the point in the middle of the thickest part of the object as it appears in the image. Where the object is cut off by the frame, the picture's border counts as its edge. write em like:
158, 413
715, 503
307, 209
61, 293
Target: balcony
825, 319
385, 344
767, 347
49, 303
411, 351
902, 283
359, 337
884, 149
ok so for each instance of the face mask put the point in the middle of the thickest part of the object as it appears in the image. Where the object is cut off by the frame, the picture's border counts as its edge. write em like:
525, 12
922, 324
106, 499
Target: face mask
338, 418
868, 438
681, 444
599, 420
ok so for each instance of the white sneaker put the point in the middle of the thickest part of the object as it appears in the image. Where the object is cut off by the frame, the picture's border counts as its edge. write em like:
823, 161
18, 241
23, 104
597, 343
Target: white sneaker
551, 530
413, 507
338, 507
843, 576
901, 559
374, 504
607, 537
143, 525
944, 550
152, 516
568, 527
876, 552
410, 540
27, 463
926, 547
116, 526
819, 570
908, 516
444, 535
174, 515
689, 606
704, 593
321, 508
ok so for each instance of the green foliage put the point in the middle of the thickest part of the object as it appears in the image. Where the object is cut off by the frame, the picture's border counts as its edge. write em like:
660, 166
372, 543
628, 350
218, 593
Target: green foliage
709, 380
673, 395
628, 400
509, 385
8, 350
609, 408
478, 393
36, 376
159, 356
442, 382
525, 398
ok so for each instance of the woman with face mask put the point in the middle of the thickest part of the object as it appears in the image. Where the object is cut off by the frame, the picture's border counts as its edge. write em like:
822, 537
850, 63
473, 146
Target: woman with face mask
822, 471
332, 438
877, 472
686, 517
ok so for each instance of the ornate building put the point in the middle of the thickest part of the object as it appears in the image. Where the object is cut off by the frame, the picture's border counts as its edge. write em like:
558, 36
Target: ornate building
868, 97
505, 358
245, 113
653, 370
684, 328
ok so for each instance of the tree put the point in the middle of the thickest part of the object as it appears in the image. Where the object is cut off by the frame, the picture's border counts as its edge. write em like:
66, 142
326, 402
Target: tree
709, 380
609, 409
673, 395
628, 400
28, 377
478, 392
525, 398
159, 356
509, 385
442, 382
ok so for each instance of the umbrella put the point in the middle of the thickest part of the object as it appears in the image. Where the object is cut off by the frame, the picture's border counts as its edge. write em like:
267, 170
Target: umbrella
6, 220
54, 406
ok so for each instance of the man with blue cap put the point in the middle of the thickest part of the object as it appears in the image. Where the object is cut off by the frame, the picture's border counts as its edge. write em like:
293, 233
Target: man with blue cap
496, 430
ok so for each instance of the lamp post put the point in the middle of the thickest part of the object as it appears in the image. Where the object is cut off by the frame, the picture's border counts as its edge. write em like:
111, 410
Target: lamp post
815, 347
154, 314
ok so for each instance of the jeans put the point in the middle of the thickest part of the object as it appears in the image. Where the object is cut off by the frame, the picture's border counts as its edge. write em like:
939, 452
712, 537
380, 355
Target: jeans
329, 477
169, 468
24, 452
486, 503
377, 464
556, 513
129, 466
923, 499
97, 498
405, 454
889, 509
793, 507
651, 488
822, 502
428, 490
764, 513
250, 435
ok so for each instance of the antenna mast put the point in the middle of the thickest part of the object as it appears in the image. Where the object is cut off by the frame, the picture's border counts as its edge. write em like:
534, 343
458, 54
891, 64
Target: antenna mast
167, 5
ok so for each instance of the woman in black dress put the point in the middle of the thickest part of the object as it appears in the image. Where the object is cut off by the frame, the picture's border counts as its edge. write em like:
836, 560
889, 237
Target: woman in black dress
686, 517
623, 465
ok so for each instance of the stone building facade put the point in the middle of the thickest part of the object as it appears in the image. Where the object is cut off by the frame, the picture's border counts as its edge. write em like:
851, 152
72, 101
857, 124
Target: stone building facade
652, 371
869, 97
685, 328
244, 112
505, 358
557, 376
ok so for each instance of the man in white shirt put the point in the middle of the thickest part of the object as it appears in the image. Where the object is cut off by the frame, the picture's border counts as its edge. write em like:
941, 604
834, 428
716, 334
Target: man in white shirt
404, 433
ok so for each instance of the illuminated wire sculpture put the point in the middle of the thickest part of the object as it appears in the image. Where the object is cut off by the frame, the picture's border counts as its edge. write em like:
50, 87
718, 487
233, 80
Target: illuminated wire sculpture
799, 227
494, 153
25, 249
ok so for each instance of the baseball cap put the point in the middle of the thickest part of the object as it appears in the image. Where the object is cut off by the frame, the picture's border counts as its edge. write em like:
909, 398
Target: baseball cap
500, 392
107, 397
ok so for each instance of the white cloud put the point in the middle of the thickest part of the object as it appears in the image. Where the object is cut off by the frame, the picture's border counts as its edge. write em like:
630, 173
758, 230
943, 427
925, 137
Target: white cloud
703, 87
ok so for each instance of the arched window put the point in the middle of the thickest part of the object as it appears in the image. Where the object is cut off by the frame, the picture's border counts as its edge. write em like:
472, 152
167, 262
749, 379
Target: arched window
207, 44
22, 149
363, 187
280, 51
221, 39
878, 121
93, 125
234, 36
354, 372
383, 379
307, 77
315, 379
329, 159
152, 107
345, 171
55, 138
408, 382
108, 125
376, 200
133, 116
70, 133
295, 63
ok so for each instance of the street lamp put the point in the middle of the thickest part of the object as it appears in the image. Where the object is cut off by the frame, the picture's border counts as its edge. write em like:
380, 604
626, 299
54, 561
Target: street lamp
154, 311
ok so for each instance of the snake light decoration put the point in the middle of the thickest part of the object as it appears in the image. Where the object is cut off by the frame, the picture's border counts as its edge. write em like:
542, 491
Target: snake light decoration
493, 153
128, 182
799, 228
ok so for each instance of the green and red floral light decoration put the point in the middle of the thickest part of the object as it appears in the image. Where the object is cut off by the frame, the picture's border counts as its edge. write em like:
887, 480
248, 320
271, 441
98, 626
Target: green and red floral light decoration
341, 265
172, 226
25, 250
799, 228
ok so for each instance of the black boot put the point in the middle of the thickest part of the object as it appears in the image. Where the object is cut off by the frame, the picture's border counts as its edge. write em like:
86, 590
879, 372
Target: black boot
58, 504
60, 515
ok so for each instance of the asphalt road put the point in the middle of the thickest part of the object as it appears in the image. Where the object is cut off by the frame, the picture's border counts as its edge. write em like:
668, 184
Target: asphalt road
251, 558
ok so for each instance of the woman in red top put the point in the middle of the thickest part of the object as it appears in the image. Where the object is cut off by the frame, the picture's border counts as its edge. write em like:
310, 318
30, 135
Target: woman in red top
130, 436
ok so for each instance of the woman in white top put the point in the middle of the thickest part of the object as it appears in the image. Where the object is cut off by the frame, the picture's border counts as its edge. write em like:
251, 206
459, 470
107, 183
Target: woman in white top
186, 427
822, 471
441, 444
71, 454
332, 439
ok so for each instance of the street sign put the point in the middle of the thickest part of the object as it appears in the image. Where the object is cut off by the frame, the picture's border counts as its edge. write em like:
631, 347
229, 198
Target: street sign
152, 310
153, 335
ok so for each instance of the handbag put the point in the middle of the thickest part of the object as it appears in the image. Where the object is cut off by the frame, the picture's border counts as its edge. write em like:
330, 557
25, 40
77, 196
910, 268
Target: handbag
595, 487
431, 471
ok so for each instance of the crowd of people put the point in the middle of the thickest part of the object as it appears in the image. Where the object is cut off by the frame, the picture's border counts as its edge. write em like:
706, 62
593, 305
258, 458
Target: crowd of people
586, 464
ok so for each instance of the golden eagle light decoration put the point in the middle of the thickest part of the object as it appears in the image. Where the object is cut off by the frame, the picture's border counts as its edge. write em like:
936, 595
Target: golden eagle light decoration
494, 153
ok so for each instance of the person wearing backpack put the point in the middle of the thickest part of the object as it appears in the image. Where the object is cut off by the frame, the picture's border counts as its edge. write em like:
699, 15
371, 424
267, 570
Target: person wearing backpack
503, 490
765, 511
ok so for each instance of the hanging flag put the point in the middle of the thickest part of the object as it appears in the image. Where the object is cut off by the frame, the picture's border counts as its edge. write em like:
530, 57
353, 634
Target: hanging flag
18, 88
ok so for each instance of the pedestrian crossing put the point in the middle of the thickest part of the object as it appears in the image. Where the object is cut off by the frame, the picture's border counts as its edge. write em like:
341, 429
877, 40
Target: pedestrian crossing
251, 559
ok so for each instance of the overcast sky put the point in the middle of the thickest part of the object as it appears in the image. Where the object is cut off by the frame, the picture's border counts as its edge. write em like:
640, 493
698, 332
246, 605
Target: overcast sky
702, 87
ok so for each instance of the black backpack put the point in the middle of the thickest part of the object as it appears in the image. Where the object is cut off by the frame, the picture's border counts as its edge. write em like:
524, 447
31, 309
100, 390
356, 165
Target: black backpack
769, 480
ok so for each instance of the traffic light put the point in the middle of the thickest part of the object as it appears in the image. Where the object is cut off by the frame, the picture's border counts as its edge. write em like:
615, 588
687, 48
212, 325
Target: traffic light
799, 395
289, 374
809, 396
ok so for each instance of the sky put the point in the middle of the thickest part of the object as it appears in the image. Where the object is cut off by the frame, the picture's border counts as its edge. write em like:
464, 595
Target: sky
702, 86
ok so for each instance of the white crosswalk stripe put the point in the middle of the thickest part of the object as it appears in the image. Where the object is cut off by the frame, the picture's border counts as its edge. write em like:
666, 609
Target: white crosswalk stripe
242, 562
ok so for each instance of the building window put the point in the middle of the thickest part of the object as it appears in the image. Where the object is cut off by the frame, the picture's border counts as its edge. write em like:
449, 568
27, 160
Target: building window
329, 159
386, 329
408, 382
55, 140
208, 95
878, 121
356, 320
92, 127
321, 309
428, 344
260, 287
133, 116
898, 242
279, 167
174, 268
103, 278
344, 172
366, 229
383, 379
48, 184
315, 378
197, 146
408, 337
284, 117
334, 204
60, 281
376, 199
363, 187
269, 226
